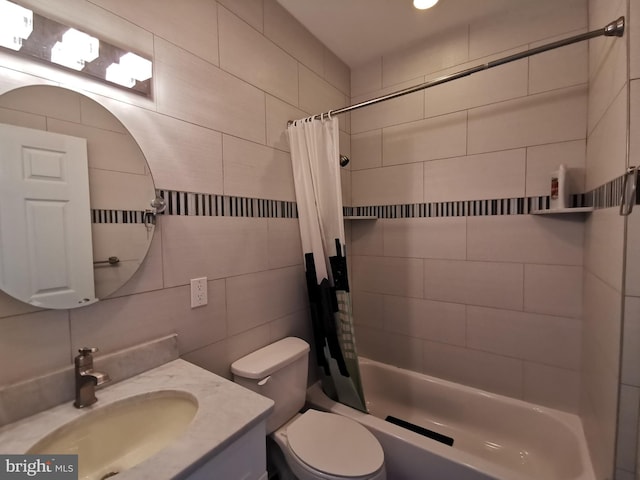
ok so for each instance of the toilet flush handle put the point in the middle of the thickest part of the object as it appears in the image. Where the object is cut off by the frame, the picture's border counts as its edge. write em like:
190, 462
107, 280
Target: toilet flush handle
264, 380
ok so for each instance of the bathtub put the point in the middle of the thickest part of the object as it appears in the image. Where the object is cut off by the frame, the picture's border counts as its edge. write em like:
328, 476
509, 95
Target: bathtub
494, 437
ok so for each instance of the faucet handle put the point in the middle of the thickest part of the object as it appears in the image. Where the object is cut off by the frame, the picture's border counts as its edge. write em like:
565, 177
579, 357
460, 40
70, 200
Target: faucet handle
87, 350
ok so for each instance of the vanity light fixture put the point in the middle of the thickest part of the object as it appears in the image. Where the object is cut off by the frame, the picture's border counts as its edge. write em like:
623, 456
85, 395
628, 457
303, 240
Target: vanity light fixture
29, 34
424, 4
16, 25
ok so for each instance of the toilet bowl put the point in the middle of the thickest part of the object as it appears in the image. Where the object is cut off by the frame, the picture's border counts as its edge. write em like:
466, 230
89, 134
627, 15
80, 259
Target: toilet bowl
315, 445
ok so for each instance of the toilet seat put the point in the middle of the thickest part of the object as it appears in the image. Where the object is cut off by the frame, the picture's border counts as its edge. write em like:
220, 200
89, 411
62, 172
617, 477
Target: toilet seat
334, 445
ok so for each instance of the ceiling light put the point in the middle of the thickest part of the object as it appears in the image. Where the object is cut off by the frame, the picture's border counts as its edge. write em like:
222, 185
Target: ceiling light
34, 36
424, 4
16, 24
116, 73
138, 67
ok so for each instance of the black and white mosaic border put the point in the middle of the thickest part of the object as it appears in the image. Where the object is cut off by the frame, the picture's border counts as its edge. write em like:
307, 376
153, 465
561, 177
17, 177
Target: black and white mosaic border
213, 205
117, 216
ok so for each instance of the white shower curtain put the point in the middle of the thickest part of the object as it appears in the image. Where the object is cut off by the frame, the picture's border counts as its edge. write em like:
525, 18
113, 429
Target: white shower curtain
316, 172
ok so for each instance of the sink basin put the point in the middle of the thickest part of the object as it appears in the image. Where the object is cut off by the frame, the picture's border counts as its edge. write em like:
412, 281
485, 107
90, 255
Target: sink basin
118, 436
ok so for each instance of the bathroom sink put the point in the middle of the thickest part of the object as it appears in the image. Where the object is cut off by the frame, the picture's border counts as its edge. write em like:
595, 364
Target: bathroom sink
122, 434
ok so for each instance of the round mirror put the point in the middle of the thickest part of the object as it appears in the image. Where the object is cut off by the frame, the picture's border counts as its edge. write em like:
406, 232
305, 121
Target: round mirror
77, 210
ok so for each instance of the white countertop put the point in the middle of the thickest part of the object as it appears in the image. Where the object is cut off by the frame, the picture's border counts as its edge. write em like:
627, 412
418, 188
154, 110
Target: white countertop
225, 412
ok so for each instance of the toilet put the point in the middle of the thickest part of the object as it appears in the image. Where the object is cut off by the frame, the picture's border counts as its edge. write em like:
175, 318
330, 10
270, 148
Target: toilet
314, 444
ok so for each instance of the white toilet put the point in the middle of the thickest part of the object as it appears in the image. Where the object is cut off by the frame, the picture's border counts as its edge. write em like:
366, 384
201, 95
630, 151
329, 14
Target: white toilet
315, 445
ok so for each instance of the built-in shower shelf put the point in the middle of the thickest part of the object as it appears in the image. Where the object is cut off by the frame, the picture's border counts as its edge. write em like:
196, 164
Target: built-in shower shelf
361, 217
557, 211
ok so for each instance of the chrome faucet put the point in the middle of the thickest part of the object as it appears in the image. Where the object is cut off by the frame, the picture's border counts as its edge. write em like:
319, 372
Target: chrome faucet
86, 378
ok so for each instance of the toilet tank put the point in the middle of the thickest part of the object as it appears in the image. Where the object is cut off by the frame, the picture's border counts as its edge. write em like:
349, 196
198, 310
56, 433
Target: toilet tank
279, 372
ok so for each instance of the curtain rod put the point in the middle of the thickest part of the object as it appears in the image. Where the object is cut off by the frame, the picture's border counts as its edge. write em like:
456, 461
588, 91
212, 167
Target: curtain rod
612, 29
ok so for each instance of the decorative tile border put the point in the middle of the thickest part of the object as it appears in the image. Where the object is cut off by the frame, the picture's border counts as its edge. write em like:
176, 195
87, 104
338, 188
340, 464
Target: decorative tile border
214, 205
117, 216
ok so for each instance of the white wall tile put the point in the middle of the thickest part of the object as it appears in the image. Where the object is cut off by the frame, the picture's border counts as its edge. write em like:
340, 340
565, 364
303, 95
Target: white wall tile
438, 137
436, 321
602, 314
34, 344
284, 30
120, 191
278, 114
543, 20
555, 387
544, 159
258, 298
389, 348
476, 177
10, 306
285, 247
549, 117
345, 185
483, 88
319, 96
228, 104
390, 275
627, 428
559, 68
604, 244
403, 109
632, 269
297, 324
182, 156
491, 284
247, 54
607, 145
448, 49
630, 374
256, 171
251, 11
336, 72
366, 150
193, 26
124, 322
213, 247
526, 239
494, 373
607, 67
528, 336
634, 51
553, 289
444, 238
367, 237
368, 309
388, 185
366, 78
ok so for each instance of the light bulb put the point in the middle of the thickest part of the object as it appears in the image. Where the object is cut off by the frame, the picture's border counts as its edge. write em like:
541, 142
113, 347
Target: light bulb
424, 4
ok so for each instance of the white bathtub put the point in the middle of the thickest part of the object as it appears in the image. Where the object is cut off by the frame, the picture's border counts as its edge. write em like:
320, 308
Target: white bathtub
495, 437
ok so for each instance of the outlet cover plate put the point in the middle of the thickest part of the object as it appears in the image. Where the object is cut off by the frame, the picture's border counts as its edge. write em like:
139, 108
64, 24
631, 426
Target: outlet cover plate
199, 292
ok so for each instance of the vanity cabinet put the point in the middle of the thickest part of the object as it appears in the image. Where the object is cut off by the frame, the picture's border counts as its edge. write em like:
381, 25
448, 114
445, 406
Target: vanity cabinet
244, 459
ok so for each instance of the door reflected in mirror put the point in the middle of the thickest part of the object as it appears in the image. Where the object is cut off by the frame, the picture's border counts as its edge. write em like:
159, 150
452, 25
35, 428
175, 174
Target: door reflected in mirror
121, 190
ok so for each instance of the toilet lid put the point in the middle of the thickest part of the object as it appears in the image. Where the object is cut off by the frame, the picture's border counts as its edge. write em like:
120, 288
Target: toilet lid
334, 445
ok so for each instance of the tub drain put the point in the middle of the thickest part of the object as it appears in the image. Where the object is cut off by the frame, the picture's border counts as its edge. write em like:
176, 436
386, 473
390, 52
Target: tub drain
109, 475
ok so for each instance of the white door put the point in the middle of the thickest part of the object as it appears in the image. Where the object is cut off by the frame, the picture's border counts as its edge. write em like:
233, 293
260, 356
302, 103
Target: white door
46, 255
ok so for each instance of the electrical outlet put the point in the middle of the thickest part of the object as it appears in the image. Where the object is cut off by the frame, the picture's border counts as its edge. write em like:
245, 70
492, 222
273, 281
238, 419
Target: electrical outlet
198, 292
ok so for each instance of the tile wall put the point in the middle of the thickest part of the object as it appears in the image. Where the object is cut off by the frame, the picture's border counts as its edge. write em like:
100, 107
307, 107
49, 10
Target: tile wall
604, 251
489, 300
228, 76
627, 453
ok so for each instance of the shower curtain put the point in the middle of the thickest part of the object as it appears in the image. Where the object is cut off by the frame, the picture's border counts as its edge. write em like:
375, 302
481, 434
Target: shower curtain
315, 156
